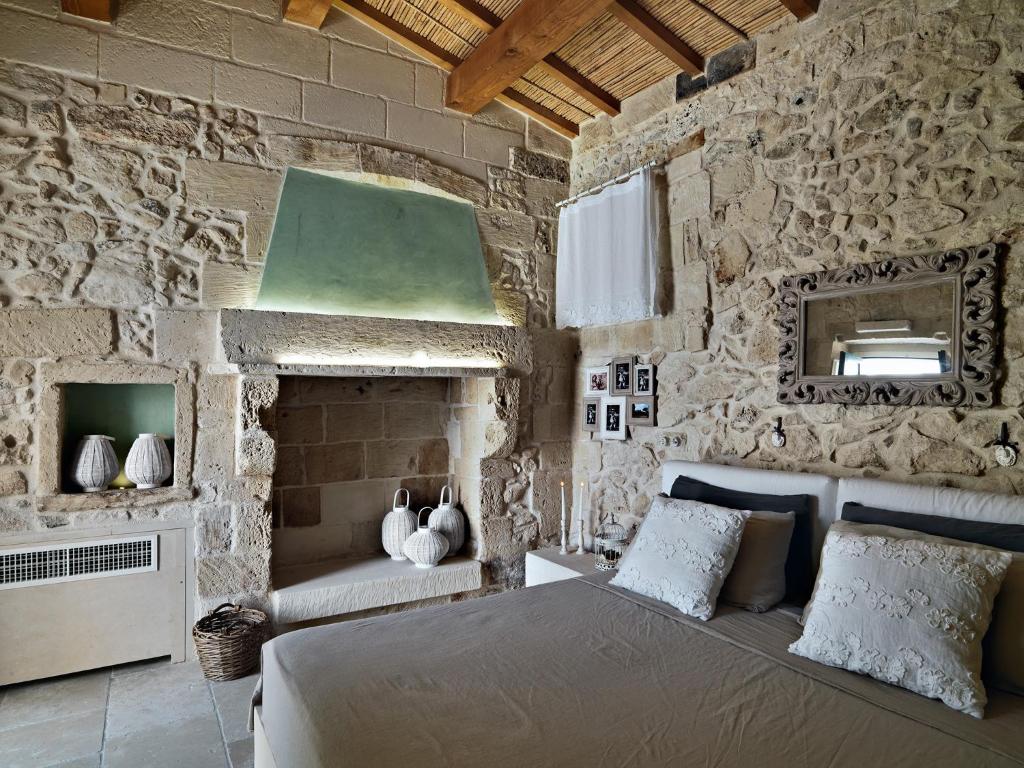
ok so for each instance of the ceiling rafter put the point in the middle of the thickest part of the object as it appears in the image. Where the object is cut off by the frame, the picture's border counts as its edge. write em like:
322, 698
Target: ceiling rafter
719, 19
641, 21
308, 13
98, 10
802, 9
532, 31
483, 18
434, 53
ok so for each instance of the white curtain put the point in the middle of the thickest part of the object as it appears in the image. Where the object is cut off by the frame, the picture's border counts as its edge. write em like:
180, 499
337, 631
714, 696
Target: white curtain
608, 255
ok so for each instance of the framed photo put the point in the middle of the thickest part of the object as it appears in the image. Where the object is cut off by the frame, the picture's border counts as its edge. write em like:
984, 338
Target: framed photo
613, 418
643, 380
640, 412
622, 376
597, 381
592, 414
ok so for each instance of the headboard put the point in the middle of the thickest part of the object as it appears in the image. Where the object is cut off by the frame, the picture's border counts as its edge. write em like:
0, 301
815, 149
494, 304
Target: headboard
930, 500
832, 494
773, 481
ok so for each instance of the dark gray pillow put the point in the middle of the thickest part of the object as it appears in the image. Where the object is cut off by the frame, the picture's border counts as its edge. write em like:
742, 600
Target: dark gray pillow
799, 564
997, 535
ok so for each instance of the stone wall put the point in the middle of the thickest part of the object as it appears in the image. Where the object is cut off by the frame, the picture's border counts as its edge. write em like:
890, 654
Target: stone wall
139, 168
344, 446
875, 128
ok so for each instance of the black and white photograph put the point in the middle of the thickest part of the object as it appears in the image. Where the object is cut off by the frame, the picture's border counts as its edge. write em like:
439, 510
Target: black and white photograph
643, 380
591, 414
596, 383
640, 412
622, 376
613, 418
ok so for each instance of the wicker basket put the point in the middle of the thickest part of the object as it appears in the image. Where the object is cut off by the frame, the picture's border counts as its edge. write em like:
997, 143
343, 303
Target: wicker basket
228, 641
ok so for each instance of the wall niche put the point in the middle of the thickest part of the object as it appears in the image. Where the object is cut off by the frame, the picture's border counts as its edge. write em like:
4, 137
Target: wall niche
121, 400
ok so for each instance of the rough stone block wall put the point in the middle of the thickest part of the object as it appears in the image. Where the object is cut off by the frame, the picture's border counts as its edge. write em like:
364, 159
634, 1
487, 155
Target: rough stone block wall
139, 169
344, 446
872, 129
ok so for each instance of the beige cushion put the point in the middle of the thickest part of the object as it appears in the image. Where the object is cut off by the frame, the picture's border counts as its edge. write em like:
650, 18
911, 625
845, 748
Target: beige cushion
905, 608
682, 554
757, 580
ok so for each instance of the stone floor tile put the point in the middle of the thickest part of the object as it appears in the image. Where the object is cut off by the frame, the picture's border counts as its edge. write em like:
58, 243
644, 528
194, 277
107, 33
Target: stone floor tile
52, 742
93, 761
233, 699
158, 696
195, 742
139, 666
241, 753
29, 703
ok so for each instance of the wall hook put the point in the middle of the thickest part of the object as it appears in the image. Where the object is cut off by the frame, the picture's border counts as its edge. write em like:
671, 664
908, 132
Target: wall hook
778, 434
1006, 451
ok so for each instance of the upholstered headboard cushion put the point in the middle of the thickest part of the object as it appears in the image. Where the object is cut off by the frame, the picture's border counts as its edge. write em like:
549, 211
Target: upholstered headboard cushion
773, 481
924, 499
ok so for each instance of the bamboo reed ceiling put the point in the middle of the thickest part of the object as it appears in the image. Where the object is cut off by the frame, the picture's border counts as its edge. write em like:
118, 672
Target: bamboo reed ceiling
606, 52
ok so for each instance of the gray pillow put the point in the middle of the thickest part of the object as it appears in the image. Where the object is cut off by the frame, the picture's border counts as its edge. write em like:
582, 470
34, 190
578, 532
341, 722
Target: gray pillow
905, 608
757, 580
682, 554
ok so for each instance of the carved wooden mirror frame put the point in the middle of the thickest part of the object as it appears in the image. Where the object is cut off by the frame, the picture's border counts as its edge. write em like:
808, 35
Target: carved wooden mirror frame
975, 335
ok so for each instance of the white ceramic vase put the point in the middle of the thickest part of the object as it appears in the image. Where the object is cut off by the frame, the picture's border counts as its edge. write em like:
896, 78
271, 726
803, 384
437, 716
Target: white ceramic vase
95, 464
448, 521
425, 547
149, 462
399, 524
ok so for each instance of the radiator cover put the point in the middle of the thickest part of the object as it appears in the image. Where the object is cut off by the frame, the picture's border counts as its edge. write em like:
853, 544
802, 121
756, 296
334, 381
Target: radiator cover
59, 563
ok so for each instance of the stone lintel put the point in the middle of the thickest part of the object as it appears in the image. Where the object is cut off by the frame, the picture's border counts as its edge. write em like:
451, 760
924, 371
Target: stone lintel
361, 346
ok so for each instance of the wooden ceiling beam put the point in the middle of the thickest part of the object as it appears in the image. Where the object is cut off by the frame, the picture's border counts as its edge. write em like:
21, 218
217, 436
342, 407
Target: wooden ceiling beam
98, 10
540, 113
553, 66
801, 8
534, 29
401, 34
640, 20
308, 13
719, 19
446, 60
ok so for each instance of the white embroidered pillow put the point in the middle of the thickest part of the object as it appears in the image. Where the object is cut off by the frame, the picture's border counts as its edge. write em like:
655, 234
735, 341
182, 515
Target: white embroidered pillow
911, 612
682, 554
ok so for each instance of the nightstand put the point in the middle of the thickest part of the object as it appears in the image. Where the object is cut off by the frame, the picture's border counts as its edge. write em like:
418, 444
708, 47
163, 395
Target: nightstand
547, 565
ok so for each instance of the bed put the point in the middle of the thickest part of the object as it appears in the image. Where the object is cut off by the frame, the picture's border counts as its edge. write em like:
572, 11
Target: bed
579, 672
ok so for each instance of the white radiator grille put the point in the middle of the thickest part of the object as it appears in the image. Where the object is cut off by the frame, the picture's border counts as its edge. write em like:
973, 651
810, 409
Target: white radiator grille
56, 563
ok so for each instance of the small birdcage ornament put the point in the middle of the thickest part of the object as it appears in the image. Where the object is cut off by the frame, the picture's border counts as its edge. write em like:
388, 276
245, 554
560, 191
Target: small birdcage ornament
609, 544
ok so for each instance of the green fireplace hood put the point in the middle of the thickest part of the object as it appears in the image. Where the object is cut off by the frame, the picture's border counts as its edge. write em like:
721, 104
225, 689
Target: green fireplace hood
351, 247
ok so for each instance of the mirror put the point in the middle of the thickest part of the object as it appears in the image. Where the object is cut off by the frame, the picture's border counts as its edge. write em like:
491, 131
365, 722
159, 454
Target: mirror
903, 332
910, 330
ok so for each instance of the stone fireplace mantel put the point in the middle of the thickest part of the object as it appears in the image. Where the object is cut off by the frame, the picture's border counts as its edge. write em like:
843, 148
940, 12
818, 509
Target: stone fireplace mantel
259, 342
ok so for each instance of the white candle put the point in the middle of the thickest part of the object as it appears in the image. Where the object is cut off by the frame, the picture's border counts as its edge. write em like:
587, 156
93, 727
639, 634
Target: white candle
561, 529
580, 550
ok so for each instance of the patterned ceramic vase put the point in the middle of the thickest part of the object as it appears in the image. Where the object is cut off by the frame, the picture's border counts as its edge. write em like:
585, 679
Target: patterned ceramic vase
425, 547
95, 464
149, 462
399, 524
448, 521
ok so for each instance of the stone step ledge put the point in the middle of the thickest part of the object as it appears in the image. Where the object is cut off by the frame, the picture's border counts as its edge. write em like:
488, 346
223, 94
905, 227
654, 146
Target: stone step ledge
335, 587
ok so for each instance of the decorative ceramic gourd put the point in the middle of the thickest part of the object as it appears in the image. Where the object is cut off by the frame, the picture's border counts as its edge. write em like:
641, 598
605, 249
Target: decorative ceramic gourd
425, 547
149, 462
399, 524
448, 521
95, 464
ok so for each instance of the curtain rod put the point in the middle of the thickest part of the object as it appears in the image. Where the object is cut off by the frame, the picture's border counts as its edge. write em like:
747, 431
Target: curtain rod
616, 180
